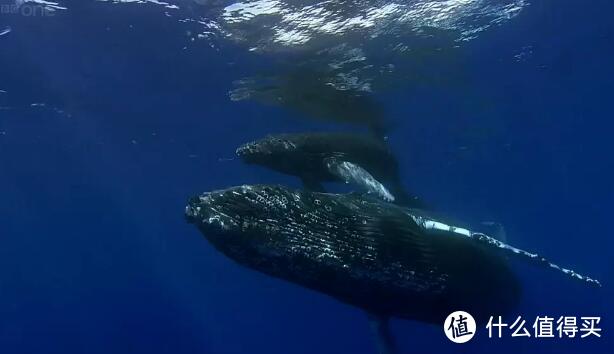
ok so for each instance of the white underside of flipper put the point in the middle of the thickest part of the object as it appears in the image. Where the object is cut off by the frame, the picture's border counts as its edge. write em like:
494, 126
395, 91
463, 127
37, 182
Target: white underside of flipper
352, 173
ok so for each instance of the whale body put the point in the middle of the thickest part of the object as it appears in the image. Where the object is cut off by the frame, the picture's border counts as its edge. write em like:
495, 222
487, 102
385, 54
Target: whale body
356, 159
377, 256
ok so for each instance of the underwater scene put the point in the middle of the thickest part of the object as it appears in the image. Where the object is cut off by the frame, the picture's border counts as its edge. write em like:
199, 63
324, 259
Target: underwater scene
295, 176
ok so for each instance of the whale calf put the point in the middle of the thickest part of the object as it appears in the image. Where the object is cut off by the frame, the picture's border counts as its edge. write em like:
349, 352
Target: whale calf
324, 157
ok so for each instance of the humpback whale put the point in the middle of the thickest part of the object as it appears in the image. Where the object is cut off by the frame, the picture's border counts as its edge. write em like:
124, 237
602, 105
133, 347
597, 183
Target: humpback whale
323, 157
312, 94
388, 260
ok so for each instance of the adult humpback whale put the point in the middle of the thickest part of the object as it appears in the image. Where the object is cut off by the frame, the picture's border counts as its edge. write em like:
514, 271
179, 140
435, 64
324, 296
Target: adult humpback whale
323, 157
312, 94
385, 259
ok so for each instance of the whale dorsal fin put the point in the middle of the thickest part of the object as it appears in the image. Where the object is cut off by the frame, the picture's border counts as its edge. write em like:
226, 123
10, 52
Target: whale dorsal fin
495, 230
352, 173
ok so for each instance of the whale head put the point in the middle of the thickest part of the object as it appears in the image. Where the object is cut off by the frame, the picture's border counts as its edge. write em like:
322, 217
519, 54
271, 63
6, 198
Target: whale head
269, 151
240, 217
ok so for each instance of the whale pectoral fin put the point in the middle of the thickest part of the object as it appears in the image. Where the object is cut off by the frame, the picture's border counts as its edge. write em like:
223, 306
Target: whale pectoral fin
312, 184
352, 173
531, 257
380, 327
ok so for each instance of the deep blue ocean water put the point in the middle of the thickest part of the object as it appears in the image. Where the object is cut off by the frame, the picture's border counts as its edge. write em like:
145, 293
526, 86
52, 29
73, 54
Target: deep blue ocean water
111, 117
